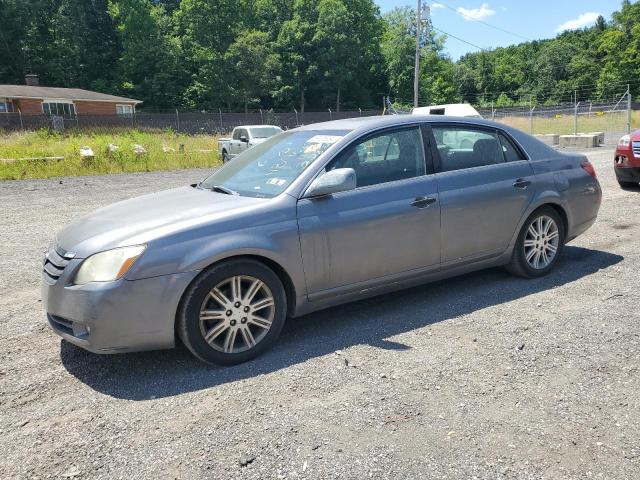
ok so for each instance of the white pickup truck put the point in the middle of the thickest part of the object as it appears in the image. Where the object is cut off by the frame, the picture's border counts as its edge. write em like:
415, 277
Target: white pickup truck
243, 137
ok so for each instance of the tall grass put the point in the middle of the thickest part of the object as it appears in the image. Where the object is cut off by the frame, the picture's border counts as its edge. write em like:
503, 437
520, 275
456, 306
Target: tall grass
198, 151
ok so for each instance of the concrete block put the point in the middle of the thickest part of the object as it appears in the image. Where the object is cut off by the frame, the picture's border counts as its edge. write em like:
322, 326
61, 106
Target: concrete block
579, 141
549, 138
600, 136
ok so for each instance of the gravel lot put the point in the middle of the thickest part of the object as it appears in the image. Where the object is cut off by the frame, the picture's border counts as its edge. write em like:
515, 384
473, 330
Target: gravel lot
483, 376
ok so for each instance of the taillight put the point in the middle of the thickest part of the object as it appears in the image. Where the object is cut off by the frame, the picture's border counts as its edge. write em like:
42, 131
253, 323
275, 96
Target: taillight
586, 165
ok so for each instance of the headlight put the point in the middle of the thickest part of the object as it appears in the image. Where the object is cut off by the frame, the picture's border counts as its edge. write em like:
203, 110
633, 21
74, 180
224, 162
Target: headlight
624, 141
108, 266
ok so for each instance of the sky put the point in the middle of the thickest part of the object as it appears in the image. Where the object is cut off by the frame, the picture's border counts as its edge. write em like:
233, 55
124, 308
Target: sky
525, 20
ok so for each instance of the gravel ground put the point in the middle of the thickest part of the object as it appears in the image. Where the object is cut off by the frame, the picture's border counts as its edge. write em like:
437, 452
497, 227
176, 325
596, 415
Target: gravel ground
484, 376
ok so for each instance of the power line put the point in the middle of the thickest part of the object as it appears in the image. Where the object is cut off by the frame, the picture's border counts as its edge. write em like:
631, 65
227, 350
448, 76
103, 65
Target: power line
467, 17
460, 39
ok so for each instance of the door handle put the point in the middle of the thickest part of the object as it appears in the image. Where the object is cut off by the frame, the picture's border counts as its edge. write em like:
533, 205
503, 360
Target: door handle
521, 183
422, 202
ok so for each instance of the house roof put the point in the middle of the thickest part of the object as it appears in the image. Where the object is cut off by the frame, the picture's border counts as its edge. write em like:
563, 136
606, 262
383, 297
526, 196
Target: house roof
25, 91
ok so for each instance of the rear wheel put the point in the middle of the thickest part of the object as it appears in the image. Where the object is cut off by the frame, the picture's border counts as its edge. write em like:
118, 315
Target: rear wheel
233, 312
225, 156
539, 244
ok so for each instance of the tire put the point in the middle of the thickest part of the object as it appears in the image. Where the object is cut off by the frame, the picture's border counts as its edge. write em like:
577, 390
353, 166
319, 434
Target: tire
204, 312
225, 156
523, 261
627, 184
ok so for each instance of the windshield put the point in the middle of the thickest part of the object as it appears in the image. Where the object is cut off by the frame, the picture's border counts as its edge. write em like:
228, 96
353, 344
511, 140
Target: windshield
267, 169
265, 132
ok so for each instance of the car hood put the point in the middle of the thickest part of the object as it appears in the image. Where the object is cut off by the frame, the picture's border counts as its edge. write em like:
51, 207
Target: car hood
143, 219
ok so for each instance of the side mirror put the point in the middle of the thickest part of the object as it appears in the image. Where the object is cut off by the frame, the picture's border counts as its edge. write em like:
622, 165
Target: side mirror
244, 139
333, 181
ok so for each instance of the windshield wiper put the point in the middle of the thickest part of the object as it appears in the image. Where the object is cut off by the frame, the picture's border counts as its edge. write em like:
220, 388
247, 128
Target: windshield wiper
221, 189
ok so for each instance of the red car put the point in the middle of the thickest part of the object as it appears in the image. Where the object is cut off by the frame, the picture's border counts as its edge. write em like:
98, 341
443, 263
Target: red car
627, 160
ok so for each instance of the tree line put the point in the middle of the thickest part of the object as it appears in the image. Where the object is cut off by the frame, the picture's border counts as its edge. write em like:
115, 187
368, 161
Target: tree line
303, 54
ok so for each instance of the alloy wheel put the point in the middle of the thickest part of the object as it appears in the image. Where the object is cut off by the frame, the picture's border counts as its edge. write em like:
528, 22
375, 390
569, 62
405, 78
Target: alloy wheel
541, 242
237, 314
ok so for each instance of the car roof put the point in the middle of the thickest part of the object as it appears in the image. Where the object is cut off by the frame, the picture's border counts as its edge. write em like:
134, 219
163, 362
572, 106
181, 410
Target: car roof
258, 126
533, 147
374, 122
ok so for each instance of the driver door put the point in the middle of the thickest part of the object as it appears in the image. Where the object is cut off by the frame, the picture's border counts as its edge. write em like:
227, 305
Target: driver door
236, 143
385, 229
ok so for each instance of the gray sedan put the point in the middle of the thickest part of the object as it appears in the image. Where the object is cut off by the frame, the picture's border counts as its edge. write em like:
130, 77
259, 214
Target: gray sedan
313, 217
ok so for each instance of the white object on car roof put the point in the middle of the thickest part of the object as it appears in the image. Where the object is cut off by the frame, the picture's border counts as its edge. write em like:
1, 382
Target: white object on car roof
452, 109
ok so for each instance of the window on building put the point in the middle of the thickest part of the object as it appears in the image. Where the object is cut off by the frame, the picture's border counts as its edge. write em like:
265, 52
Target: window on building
61, 109
126, 110
5, 106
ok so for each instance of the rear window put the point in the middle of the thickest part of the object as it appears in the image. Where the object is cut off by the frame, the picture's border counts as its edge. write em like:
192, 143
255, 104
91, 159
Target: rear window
511, 152
265, 132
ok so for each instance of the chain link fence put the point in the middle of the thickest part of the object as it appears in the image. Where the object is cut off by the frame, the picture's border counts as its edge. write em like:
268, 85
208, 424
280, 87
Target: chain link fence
610, 119
182, 122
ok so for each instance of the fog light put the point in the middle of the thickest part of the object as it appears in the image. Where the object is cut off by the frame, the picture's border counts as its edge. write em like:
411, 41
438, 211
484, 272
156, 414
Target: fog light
80, 330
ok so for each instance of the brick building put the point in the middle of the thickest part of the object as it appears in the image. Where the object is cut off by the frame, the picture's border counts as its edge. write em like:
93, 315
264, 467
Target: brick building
33, 99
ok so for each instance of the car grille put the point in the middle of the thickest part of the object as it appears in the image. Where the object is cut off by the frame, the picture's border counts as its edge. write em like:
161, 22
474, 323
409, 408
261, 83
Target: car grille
54, 264
636, 148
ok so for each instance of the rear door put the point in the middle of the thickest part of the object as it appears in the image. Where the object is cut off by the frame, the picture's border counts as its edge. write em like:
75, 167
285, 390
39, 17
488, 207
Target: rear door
387, 226
485, 184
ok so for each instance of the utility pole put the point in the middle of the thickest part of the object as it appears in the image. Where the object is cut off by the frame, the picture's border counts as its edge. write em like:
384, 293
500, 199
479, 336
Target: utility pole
416, 73
575, 112
628, 108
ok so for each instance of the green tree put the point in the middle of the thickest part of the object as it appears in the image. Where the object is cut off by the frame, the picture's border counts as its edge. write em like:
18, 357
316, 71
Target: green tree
206, 29
437, 71
148, 63
347, 40
298, 54
398, 49
249, 60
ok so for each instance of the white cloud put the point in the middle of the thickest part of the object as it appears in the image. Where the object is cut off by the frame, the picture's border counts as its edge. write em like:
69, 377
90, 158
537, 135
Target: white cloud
476, 13
436, 5
583, 20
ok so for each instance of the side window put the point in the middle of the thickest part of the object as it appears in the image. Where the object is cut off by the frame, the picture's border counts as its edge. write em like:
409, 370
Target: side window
236, 134
511, 153
466, 147
383, 158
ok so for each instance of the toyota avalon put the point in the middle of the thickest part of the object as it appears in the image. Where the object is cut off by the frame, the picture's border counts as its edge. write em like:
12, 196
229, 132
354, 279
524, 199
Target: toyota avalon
313, 217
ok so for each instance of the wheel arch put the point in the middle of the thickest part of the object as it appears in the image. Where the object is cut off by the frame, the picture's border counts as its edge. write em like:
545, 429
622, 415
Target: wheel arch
559, 209
279, 270
552, 201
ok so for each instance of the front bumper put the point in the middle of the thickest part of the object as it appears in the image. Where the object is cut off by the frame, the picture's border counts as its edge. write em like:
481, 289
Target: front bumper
628, 174
110, 317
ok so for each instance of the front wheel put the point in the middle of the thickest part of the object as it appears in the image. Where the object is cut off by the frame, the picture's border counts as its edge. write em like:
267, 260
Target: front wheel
233, 312
627, 184
539, 244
